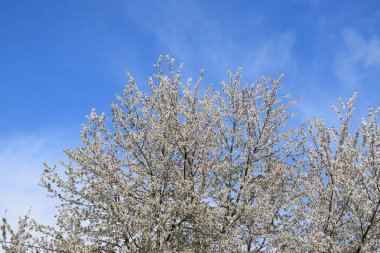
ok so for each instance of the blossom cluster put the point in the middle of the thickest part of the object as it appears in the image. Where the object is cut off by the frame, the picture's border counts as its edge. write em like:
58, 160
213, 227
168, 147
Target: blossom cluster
216, 171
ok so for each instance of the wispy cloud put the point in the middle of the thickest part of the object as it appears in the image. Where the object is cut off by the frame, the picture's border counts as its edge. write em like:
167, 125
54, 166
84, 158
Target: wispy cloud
201, 39
272, 55
21, 158
357, 55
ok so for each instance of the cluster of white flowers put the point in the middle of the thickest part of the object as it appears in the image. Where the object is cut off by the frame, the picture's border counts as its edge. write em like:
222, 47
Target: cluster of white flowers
222, 171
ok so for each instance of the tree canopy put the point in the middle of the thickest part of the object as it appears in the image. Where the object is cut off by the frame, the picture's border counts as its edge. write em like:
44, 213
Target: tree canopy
217, 171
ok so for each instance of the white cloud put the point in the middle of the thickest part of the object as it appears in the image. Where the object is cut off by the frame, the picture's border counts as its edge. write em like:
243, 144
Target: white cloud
199, 39
274, 54
21, 165
372, 56
358, 54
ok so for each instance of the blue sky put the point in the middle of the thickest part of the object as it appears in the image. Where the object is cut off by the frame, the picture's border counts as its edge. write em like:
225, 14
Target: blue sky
59, 59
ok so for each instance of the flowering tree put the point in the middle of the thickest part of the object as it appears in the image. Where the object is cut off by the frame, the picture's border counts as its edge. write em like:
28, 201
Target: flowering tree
181, 171
341, 185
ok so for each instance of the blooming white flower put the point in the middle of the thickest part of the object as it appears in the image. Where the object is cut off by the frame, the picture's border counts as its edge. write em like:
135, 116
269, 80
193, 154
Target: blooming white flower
181, 171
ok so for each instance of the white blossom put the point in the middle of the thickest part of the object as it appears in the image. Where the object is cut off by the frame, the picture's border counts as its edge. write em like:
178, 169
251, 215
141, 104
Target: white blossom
219, 171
